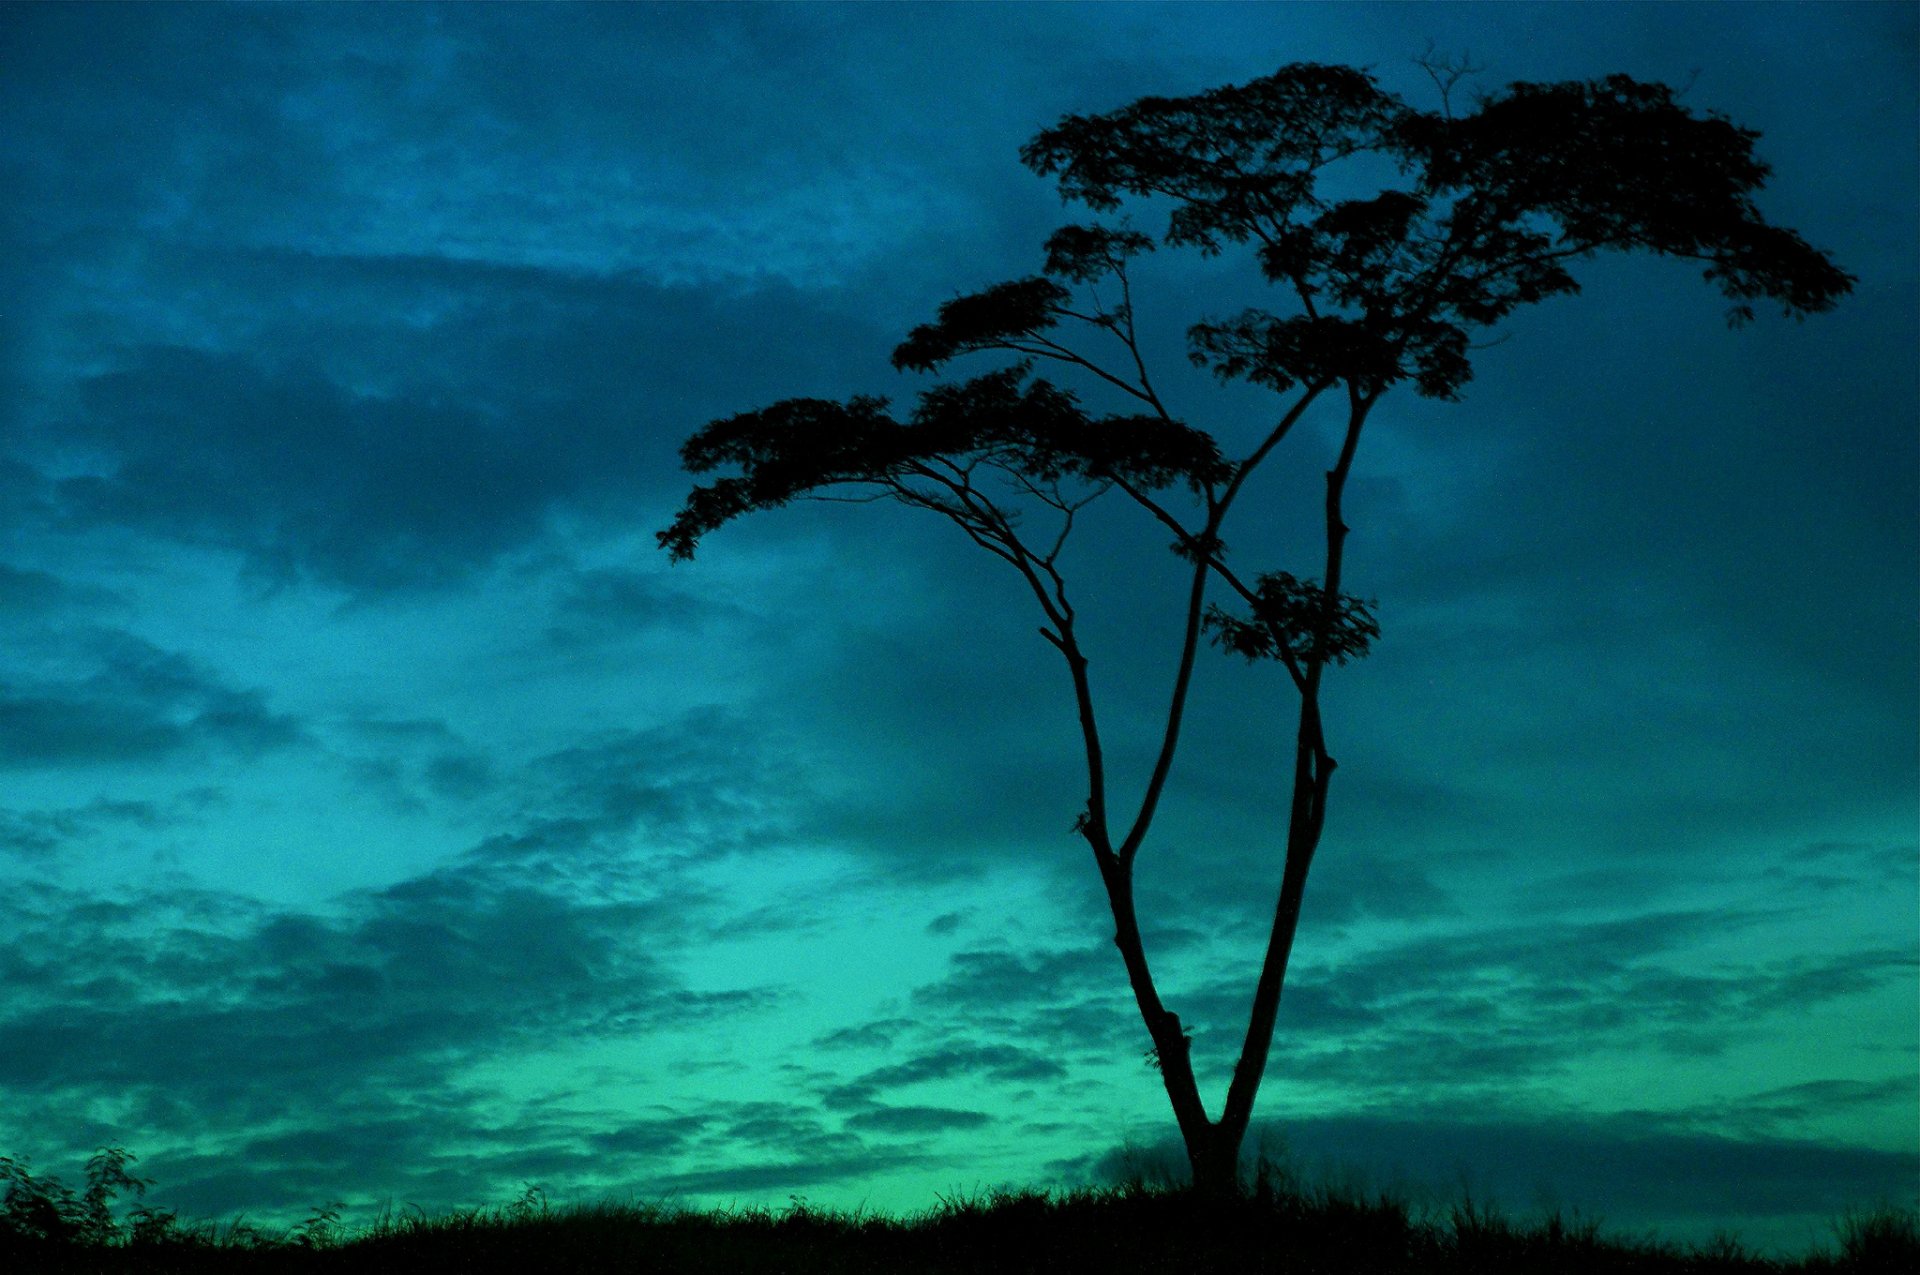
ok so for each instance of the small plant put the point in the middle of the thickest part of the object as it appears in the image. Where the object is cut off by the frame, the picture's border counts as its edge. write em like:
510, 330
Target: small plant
320, 1228
47, 1209
1479, 1227
531, 1206
152, 1226
1722, 1250
36, 1208
1882, 1239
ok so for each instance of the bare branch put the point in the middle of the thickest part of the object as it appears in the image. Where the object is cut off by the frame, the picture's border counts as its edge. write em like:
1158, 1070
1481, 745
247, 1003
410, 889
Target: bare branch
1446, 71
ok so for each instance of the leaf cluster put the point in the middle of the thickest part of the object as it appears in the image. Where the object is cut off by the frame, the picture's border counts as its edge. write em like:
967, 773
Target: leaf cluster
1296, 620
1618, 163
1487, 212
981, 320
1021, 425
1232, 159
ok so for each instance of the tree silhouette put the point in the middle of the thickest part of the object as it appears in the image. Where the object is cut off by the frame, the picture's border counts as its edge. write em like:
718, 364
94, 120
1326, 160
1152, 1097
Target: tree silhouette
1468, 217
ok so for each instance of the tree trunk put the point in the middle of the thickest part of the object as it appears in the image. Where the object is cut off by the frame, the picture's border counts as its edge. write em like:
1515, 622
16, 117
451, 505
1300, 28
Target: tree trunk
1215, 1158
1170, 1042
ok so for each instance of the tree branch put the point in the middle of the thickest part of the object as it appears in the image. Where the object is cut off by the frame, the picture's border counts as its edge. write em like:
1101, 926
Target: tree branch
1313, 773
989, 527
1190, 638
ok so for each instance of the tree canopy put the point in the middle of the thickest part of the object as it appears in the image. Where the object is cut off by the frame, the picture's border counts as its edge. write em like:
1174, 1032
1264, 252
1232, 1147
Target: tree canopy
1482, 213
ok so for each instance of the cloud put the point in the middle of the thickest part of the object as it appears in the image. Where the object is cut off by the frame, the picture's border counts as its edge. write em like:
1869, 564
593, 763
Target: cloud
649, 1137
1776, 1112
710, 779
605, 607
1518, 1003
361, 455
909, 1120
1502, 1017
302, 476
133, 702
436, 965
1829, 867
988, 978
963, 1056
859, 1165
393, 1035
325, 1049
29, 592
43, 834
874, 1035
416, 761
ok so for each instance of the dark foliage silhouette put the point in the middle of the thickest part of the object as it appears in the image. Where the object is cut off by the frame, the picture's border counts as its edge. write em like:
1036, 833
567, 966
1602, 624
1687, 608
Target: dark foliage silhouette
1469, 217
1283, 1225
46, 1210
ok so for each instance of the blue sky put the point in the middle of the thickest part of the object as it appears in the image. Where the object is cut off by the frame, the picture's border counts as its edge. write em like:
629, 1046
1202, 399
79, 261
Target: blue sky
381, 817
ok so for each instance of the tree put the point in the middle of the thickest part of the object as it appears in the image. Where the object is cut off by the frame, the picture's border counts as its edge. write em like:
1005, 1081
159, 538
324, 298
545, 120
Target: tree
1469, 217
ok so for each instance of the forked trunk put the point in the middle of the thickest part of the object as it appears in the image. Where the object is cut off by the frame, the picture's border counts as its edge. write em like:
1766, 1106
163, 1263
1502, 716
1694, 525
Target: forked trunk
1213, 1146
1215, 1158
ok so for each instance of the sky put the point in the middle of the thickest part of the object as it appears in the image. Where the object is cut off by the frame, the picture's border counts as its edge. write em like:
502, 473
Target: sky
383, 819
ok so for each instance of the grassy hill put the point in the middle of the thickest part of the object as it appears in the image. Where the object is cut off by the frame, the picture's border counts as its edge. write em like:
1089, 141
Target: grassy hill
45, 1227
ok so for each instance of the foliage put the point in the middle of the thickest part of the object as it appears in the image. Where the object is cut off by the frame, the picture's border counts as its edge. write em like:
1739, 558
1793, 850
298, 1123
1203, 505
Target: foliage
1883, 1238
1297, 619
47, 1209
1493, 208
1486, 212
1003, 420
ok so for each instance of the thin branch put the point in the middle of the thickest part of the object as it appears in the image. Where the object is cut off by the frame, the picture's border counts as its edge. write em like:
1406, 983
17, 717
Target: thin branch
1272, 440
1445, 72
1054, 350
1132, 339
1190, 638
849, 500
1154, 507
1176, 711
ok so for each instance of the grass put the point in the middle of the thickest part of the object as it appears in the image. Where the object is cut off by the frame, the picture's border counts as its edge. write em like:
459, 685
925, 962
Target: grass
45, 1227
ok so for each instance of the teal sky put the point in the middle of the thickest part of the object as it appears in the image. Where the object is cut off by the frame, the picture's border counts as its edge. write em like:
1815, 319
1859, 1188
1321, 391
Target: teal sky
382, 818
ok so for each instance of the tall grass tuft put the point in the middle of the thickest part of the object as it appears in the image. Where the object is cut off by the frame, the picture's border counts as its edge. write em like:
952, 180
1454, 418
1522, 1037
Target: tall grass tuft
1880, 1239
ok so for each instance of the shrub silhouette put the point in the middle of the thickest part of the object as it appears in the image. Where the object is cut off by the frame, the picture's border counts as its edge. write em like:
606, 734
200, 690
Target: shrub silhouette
46, 1209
